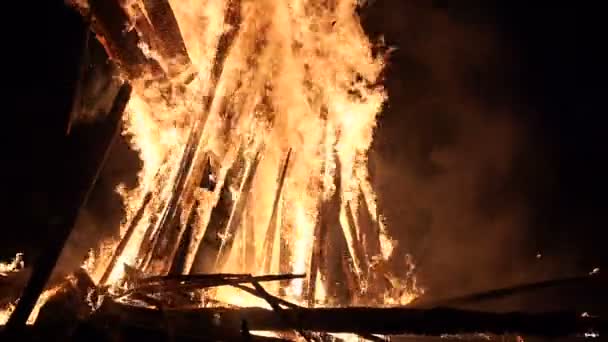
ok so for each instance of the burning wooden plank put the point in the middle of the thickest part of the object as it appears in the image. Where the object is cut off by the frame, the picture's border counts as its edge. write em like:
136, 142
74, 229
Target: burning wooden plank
209, 247
119, 250
109, 20
249, 252
272, 224
178, 264
237, 212
168, 36
184, 186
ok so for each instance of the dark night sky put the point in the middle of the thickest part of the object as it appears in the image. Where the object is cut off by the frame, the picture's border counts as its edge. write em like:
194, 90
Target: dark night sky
545, 70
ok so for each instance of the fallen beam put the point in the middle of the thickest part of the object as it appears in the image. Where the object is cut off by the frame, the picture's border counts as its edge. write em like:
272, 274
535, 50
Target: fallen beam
272, 224
361, 320
45, 264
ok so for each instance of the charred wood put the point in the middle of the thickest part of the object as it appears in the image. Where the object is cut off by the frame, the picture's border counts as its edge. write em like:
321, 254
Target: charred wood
43, 267
167, 31
71, 302
336, 270
285, 253
369, 231
109, 20
125, 239
209, 247
272, 224
11, 285
168, 225
249, 240
489, 295
359, 262
179, 260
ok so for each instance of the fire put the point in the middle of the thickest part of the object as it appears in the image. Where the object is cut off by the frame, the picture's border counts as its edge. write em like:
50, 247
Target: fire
282, 106
15, 265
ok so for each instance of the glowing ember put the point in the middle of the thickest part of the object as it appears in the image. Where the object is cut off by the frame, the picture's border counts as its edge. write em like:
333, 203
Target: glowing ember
272, 76
15, 265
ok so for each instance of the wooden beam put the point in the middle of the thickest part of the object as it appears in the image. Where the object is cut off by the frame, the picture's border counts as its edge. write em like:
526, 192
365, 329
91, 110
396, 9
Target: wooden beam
209, 246
168, 36
125, 239
45, 264
237, 211
272, 224
109, 22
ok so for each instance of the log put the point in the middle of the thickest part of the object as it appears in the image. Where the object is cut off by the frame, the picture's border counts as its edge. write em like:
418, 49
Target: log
209, 246
179, 260
169, 227
360, 261
184, 186
71, 302
272, 224
360, 320
335, 261
44, 266
125, 239
183, 283
370, 232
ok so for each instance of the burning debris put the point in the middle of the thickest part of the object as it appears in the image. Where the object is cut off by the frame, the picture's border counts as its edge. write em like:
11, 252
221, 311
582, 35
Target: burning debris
253, 120
285, 104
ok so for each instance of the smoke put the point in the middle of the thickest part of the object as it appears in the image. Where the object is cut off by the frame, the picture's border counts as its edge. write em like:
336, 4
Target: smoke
451, 150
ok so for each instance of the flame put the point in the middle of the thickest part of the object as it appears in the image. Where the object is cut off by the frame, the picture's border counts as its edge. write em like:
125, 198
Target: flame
44, 297
293, 75
15, 265
5, 312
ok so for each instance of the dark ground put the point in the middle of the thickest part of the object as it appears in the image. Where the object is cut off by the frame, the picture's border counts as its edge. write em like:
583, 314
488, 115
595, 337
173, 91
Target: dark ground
490, 150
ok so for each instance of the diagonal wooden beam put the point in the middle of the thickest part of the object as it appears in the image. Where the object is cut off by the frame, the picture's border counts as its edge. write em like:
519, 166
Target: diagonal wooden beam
168, 36
45, 264
272, 224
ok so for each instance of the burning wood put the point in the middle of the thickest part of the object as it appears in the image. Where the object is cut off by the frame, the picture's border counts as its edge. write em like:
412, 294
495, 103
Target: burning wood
109, 20
235, 113
272, 223
168, 37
